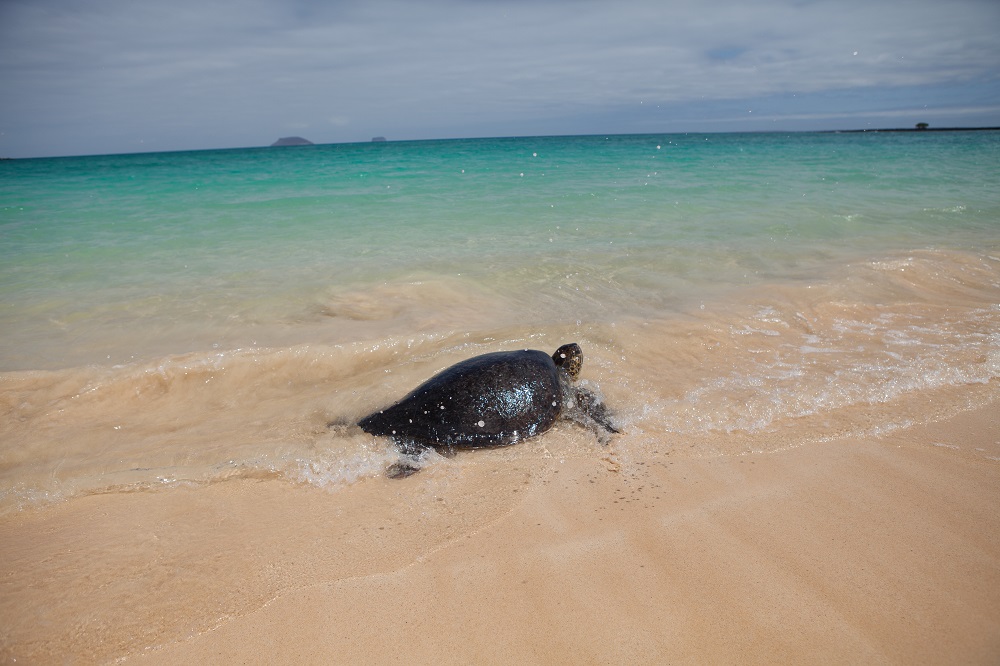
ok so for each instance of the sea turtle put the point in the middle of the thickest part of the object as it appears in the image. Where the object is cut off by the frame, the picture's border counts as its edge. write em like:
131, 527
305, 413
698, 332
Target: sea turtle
490, 400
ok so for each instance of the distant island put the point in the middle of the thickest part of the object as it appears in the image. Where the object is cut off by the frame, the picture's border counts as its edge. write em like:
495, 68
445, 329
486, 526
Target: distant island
292, 141
920, 127
378, 139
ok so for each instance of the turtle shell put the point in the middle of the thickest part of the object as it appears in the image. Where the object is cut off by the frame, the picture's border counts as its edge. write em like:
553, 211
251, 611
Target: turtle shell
490, 400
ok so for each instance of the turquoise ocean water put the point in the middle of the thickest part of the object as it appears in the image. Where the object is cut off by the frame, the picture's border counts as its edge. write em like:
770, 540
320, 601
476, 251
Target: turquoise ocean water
186, 317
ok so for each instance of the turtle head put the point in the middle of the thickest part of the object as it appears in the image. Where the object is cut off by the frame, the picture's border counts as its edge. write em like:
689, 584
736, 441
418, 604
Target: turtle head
569, 358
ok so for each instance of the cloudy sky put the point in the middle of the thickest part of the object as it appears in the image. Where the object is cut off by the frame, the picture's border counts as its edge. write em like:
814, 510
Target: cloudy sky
110, 76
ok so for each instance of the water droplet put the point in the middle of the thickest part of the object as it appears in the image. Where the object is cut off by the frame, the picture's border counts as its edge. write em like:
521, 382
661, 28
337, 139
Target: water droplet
481, 424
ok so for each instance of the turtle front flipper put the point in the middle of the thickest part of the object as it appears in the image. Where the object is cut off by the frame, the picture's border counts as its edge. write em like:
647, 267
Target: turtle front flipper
591, 411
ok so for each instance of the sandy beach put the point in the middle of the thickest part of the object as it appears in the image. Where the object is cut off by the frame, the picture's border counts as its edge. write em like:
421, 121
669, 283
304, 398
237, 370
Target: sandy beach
877, 550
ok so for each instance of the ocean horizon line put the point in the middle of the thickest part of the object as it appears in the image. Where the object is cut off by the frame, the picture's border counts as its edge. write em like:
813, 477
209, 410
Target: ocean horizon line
383, 139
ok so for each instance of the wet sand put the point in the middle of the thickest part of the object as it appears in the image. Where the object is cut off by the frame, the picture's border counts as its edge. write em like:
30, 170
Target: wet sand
853, 551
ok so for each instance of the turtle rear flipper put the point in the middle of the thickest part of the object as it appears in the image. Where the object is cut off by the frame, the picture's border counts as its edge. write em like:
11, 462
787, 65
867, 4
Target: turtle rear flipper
411, 452
401, 469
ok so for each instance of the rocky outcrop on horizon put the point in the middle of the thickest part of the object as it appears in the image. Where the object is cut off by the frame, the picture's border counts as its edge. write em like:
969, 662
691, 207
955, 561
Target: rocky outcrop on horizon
292, 141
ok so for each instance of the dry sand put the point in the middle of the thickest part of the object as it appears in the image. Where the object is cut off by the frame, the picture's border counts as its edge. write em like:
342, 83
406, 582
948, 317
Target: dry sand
878, 550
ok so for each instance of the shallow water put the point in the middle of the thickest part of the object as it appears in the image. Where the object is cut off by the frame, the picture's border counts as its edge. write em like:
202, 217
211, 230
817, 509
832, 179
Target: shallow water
183, 319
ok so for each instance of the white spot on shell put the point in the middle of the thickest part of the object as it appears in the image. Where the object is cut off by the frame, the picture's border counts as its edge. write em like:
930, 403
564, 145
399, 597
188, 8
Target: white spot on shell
554, 403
